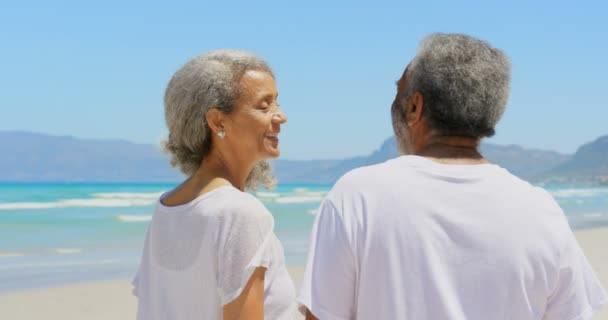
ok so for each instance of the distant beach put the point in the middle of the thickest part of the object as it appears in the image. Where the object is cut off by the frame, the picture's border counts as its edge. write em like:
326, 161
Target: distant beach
70, 249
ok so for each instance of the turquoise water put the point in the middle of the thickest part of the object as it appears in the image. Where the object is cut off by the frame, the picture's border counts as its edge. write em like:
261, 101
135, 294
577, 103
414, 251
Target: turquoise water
56, 233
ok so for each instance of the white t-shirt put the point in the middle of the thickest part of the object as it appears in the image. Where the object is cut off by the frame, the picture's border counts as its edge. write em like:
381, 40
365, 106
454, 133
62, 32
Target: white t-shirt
199, 256
415, 239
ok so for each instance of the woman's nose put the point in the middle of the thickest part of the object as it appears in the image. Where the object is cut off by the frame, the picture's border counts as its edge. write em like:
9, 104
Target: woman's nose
279, 116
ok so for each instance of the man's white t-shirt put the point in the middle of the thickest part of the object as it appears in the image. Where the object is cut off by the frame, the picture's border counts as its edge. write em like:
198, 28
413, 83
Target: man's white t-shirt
199, 256
415, 239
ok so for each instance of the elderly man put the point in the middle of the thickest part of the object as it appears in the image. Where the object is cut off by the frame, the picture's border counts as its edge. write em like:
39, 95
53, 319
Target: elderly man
440, 233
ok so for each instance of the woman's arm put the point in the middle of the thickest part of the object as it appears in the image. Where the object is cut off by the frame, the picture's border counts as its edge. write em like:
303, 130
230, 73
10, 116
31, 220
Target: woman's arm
250, 303
310, 316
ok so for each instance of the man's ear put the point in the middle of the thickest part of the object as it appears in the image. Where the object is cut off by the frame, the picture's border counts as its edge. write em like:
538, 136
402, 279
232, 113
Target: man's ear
215, 120
414, 108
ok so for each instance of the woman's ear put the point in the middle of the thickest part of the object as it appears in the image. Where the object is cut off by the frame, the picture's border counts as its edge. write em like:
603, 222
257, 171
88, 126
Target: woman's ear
215, 120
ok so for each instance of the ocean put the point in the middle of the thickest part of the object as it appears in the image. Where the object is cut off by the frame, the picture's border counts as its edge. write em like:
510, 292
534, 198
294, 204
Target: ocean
61, 233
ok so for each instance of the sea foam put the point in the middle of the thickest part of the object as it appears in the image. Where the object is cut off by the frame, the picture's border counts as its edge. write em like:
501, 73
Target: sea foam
588, 192
299, 195
67, 250
50, 264
299, 199
133, 218
128, 195
11, 255
98, 200
594, 216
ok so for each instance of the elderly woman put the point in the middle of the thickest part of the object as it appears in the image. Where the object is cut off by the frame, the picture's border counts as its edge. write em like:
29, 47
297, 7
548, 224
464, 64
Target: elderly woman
210, 250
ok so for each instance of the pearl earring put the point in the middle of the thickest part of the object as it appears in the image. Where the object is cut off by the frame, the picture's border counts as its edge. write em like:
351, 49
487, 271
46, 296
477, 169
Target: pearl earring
221, 134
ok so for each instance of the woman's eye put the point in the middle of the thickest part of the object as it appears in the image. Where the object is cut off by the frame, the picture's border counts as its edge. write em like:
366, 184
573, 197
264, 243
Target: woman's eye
266, 106
263, 106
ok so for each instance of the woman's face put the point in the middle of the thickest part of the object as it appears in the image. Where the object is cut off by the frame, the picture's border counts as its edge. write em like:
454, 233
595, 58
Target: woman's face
256, 119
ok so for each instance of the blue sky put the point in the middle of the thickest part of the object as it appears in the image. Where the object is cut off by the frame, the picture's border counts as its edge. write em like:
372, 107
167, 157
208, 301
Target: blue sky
100, 70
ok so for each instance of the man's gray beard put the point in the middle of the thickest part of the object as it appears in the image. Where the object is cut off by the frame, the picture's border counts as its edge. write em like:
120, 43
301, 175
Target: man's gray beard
402, 135
404, 145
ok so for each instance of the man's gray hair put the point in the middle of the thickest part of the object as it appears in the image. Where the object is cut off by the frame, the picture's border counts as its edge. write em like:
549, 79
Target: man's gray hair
208, 81
464, 83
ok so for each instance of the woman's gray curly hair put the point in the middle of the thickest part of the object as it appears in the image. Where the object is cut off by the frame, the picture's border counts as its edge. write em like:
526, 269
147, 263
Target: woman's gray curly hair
208, 81
464, 82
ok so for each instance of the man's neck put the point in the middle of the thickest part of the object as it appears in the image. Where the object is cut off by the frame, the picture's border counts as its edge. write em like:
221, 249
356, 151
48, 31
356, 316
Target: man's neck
452, 150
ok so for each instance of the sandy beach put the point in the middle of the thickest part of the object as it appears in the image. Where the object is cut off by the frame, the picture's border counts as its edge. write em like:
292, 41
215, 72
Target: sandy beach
113, 299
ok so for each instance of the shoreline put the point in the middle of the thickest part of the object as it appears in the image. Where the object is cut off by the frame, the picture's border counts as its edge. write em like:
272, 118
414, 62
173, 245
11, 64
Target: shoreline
112, 299
97, 300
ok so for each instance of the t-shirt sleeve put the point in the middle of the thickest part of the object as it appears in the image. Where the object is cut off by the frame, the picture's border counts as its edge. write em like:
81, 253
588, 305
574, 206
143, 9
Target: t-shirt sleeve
244, 244
328, 285
578, 293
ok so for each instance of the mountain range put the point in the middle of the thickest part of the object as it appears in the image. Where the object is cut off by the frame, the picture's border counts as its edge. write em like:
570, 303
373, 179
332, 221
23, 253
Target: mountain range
36, 157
